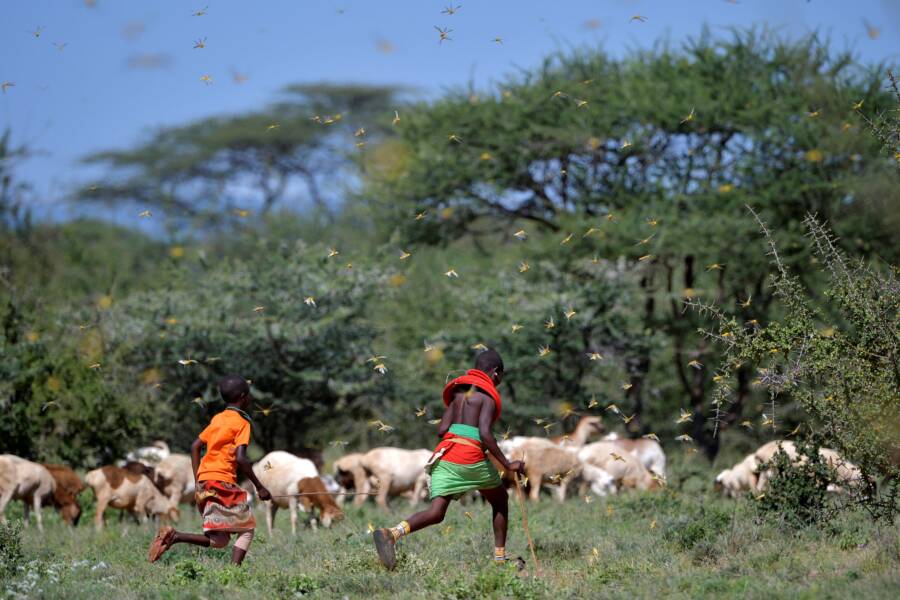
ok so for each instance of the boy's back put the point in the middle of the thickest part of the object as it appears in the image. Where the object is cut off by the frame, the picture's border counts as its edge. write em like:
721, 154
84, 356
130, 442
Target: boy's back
467, 406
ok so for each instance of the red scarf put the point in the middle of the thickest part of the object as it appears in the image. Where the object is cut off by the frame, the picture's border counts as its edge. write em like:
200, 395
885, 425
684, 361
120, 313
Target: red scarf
480, 380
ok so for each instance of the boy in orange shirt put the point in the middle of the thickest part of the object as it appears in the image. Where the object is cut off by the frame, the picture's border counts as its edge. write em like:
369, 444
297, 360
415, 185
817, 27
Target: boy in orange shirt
222, 503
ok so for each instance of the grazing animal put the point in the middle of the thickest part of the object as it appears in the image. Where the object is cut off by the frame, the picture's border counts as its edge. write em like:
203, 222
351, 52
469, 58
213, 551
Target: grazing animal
174, 476
740, 478
65, 496
350, 475
766, 452
649, 452
134, 493
335, 490
587, 427
27, 481
313, 454
319, 499
625, 468
149, 455
397, 471
547, 463
280, 472
139, 468
846, 472
599, 480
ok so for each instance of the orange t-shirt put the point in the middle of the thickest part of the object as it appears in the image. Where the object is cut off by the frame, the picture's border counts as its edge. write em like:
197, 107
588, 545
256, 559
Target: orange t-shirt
225, 433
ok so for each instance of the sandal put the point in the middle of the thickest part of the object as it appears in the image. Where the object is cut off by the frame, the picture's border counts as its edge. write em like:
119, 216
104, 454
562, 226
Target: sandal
384, 545
162, 542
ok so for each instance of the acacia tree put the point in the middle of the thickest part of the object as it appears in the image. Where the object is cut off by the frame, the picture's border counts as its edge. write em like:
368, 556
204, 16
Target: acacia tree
842, 365
564, 333
219, 168
652, 158
839, 356
885, 125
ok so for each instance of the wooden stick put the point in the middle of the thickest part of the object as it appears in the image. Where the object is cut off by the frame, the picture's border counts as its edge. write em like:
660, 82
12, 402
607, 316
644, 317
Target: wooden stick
521, 495
325, 493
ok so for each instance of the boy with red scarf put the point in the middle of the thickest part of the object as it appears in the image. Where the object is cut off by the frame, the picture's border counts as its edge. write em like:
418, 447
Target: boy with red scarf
459, 464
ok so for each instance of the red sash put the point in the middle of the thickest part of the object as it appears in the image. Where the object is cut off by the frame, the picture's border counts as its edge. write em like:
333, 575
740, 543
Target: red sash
480, 380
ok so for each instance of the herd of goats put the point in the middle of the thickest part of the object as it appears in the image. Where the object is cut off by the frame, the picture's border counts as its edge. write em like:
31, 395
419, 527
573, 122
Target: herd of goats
152, 482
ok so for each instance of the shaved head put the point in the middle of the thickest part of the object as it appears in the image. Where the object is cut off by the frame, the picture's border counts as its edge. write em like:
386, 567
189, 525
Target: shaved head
233, 388
488, 361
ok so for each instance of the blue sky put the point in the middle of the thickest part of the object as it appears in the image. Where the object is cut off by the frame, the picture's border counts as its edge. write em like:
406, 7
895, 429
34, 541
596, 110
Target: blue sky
129, 66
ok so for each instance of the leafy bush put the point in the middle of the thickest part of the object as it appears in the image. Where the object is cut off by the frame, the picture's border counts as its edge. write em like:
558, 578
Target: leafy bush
60, 398
885, 125
286, 318
797, 492
837, 356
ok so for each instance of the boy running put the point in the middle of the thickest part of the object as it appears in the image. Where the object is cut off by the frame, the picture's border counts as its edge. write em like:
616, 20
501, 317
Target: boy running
458, 464
222, 503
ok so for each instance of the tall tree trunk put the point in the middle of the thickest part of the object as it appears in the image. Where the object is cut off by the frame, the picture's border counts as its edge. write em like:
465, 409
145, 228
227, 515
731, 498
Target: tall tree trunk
638, 365
693, 380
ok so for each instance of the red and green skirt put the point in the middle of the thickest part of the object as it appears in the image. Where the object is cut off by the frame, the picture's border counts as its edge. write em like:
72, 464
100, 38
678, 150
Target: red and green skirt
225, 507
457, 468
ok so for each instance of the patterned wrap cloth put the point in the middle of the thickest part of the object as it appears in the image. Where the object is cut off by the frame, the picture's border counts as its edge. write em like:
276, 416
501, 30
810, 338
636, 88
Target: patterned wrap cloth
224, 507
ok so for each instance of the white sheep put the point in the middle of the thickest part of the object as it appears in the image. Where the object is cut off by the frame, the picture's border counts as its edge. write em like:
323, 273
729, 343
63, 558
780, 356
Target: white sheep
281, 472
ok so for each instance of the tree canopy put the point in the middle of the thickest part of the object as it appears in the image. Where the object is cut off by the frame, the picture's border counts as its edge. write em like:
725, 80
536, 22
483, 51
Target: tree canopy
565, 217
224, 168
652, 158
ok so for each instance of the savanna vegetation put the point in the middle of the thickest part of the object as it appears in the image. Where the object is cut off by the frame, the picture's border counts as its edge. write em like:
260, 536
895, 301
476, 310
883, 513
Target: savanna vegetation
708, 228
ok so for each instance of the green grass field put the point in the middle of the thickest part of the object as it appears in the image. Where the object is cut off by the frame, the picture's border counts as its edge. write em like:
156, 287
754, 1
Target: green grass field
673, 544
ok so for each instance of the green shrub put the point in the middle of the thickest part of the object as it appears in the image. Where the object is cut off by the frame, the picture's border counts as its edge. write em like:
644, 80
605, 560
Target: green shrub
496, 582
231, 575
60, 399
836, 355
702, 525
287, 320
187, 571
797, 494
298, 584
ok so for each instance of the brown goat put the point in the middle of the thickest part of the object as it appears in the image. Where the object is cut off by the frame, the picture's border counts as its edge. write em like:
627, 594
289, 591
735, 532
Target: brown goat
119, 488
318, 498
65, 496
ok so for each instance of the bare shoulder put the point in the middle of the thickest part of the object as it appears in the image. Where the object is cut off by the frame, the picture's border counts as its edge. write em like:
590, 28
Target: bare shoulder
481, 398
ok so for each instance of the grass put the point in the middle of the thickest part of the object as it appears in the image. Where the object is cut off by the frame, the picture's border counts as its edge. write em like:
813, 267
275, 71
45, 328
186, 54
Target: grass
673, 544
